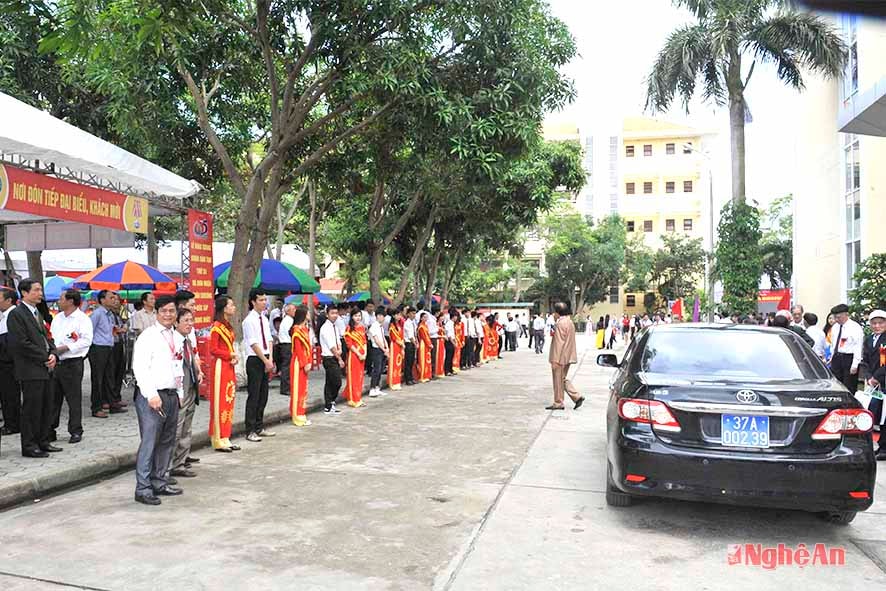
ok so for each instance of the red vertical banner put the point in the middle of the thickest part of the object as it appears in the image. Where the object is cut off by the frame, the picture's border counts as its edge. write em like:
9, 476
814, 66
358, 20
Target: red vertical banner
201, 280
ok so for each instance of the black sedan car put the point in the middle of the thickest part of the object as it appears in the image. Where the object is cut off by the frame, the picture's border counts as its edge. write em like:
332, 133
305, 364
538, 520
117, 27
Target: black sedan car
735, 414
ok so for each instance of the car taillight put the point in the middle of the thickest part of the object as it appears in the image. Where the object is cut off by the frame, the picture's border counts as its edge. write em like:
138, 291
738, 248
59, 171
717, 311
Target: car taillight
652, 412
844, 421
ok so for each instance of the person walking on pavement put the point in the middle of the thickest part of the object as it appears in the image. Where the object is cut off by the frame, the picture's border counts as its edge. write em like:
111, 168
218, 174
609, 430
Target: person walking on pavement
284, 339
188, 396
72, 331
257, 342
333, 364
223, 377
34, 357
298, 368
538, 333
847, 348
378, 352
157, 365
562, 355
10, 389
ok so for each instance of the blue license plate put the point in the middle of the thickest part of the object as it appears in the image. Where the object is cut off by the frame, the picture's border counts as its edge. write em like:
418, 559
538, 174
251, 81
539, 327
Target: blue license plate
744, 431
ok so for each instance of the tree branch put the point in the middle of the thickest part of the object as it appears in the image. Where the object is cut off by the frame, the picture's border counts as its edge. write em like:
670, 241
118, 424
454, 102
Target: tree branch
261, 19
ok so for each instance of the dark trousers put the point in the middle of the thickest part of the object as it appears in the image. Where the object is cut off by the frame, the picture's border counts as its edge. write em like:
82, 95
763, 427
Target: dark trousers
100, 375
10, 398
257, 394
68, 387
531, 337
434, 357
36, 413
478, 347
501, 344
468, 354
157, 441
118, 369
512, 340
408, 362
539, 340
450, 352
333, 381
367, 365
282, 359
841, 365
378, 361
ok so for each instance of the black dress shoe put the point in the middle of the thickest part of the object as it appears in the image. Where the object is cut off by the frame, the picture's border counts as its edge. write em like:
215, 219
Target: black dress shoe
183, 472
34, 453
168, 491
50, 448
76, 438
224, 450
116, 410
8, 431
147, 499
190, 460
171, 480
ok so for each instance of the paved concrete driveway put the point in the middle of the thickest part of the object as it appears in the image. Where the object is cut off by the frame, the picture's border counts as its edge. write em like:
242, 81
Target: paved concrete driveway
464, 483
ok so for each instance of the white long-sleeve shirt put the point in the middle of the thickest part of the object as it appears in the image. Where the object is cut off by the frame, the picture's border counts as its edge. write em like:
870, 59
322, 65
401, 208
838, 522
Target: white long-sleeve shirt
849, 339
74, 331
449, 329
253, 326
329, 339
154, 361
285, 326
409, 331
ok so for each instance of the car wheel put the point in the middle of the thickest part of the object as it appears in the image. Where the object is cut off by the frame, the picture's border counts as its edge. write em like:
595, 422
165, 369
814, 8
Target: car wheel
840, 517
614, 497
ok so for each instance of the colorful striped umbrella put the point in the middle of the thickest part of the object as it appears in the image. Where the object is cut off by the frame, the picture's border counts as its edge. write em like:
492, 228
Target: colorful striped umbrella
274, 277
54, 286
125, 275
365, 296
318, 299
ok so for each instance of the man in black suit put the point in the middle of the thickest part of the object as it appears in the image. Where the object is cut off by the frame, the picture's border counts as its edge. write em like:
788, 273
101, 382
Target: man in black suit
34, 356
873, 369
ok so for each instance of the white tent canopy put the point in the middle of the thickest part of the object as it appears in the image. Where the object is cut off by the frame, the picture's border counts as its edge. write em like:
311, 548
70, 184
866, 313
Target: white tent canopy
30, 134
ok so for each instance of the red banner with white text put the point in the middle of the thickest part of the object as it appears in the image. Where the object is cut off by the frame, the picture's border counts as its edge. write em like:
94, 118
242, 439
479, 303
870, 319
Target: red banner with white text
201, 280
40, 195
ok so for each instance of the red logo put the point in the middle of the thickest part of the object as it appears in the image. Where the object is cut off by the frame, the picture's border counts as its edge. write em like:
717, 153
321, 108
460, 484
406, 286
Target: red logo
201, 228
772, 557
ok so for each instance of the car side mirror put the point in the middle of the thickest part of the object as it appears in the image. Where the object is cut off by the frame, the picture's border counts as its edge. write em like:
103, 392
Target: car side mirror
607, 360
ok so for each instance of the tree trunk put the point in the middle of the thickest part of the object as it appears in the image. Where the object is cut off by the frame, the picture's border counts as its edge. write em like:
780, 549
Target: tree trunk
312, 230
152, 247
98, 257
420, 244
432, 278
451, 276
10, 269
35, 265
736, 126
375, 259
517, 290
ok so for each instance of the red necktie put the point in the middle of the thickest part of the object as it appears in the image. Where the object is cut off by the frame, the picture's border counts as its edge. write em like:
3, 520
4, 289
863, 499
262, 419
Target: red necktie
261, 324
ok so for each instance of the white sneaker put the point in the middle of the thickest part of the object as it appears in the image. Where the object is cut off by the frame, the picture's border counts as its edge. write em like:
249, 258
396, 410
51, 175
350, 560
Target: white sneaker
382, 392
373, 393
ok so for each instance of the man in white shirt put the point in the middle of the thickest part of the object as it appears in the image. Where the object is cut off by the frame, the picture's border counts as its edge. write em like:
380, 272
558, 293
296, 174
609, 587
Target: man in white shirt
10, 389
810, 321
538, 333
378, 352
848, 341
157, 366
480, 336
512, 326
464, 358
409, 346
72, 332
797, 316
368, 318
284, 339
257, 342
180, 462
273, 314
434, 332
145, 317
449, 340
524, 325
333, 363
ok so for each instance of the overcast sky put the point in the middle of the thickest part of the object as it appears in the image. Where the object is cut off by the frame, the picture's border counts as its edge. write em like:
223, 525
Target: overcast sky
617, 44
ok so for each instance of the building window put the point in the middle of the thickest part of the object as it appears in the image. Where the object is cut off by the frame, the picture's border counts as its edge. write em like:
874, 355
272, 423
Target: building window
669, 149
631, 300
613, 294
670, 226
850, 73
852, 197
647, 188
687, 225
669, 187
687, 186
630, 226
647, 149
687, 148
629, 151
647, 225
629, 188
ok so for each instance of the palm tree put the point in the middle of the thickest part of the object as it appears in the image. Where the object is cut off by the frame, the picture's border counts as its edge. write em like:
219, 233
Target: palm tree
731, 34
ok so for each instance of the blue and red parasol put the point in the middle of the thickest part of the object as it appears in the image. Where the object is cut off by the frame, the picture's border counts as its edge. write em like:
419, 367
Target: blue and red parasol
125, 275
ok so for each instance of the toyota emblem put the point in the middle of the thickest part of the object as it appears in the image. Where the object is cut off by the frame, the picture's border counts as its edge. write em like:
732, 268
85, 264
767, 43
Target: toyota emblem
746, 396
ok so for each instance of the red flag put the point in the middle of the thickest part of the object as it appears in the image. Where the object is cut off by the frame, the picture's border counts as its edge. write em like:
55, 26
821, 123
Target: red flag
677, 308
785, 302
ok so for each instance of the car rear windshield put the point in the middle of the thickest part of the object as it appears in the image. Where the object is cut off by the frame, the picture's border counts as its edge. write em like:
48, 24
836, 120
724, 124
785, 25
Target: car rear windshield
730, 354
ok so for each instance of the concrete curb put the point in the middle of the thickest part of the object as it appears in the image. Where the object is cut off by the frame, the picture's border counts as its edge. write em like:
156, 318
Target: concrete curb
105, 465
